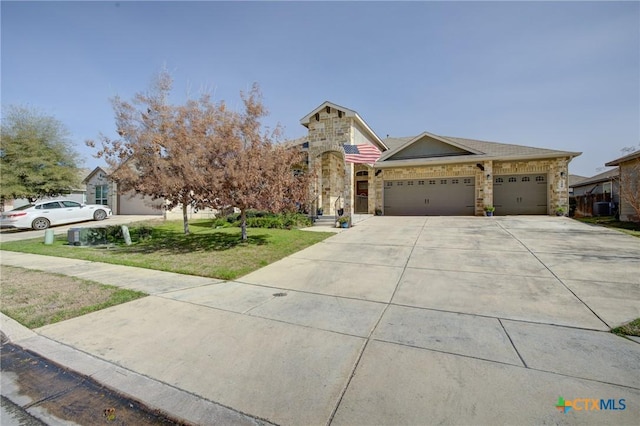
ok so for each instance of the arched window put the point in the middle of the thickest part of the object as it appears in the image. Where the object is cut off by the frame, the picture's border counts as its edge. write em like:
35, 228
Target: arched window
362, 173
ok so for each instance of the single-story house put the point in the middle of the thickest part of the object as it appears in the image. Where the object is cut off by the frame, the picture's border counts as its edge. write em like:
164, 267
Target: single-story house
427, 174
629, 186
597, 195
103, 190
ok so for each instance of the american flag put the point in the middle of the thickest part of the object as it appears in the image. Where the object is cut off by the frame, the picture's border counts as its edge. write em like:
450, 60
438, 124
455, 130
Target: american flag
361, 154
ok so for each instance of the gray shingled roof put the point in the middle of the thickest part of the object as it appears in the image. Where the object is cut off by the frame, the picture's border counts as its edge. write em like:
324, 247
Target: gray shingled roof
485, 149
394, 143
628, 157
601, 177
576, 179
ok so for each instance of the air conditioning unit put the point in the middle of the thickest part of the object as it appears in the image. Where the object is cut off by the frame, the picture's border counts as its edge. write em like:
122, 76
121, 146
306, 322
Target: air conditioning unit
73, 237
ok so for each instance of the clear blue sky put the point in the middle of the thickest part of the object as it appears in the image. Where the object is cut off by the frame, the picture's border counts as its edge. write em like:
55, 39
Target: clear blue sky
560, 75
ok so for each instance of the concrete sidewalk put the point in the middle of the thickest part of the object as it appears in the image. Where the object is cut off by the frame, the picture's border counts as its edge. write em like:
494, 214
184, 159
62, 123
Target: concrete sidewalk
415, 320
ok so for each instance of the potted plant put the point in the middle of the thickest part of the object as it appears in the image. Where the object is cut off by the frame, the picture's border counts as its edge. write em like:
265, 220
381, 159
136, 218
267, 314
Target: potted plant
488, 210
320, 211
378, 212
344, 221
560, 211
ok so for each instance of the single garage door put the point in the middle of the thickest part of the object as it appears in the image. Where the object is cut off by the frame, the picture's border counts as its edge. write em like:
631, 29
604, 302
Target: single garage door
433, 197
133, 204
520, 194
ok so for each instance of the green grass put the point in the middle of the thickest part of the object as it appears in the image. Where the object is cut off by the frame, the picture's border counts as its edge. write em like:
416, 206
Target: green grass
630, 329
630, 228
207, 252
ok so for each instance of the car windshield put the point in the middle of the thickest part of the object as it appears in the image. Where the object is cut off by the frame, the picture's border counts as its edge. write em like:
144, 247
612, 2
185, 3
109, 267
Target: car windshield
23, 207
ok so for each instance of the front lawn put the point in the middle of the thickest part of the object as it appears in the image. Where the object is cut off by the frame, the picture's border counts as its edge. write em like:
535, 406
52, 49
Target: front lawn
36, 298
207, 251
630, 228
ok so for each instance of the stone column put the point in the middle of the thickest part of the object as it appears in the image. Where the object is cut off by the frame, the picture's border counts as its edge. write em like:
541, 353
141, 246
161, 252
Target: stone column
558, 185
347, 191
485, 185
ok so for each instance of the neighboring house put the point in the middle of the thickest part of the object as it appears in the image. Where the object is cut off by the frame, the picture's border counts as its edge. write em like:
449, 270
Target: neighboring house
573, 181
426, 174
78, 194
102, 190
629, 185
597, 195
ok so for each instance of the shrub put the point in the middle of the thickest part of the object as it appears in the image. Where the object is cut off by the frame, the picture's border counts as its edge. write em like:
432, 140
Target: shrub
262, 219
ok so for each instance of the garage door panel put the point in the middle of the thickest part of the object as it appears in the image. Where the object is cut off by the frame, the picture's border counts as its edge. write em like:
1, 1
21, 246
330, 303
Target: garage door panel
520, 194
403, 198
434, 197
134, 204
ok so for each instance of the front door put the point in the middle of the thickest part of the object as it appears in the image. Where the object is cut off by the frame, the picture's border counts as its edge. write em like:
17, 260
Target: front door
362, 196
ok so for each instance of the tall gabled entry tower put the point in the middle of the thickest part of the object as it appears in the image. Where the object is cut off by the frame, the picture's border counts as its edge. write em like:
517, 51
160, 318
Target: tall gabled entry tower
342, 149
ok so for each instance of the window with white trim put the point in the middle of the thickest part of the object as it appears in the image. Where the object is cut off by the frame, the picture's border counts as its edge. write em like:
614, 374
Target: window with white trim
102, 194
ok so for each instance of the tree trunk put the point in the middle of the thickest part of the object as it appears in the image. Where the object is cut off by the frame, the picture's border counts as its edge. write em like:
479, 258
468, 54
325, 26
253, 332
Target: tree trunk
185, 219
243, 224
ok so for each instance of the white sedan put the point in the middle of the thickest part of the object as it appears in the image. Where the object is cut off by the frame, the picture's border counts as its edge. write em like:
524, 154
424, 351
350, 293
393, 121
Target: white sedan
48, 213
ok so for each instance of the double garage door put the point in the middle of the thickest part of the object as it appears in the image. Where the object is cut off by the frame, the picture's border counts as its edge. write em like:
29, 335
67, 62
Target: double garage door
433, 197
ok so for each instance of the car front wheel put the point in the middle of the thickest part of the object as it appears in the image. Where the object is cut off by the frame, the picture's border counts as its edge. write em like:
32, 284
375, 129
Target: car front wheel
100, 215
40, 223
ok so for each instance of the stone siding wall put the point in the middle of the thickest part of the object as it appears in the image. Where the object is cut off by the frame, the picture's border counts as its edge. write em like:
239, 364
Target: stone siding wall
327, 134
556, 169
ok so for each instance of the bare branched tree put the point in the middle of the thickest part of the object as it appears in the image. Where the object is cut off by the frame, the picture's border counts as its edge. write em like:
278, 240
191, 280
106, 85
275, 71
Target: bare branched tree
163, 149
201, 154
258, 173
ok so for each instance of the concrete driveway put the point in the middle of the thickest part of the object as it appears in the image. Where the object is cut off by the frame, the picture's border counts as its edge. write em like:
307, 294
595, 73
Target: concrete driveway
400, 320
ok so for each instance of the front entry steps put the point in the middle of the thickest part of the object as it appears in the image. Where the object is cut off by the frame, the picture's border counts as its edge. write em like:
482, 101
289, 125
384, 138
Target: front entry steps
326, 221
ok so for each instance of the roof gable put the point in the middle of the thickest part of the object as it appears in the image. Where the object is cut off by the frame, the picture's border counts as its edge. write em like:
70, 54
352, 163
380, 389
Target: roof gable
428, 145
476, 149
90, 175
328, 106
